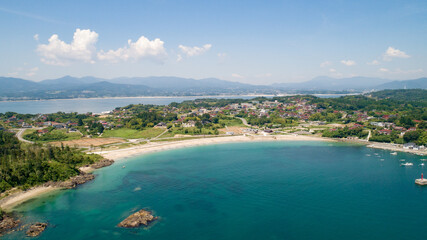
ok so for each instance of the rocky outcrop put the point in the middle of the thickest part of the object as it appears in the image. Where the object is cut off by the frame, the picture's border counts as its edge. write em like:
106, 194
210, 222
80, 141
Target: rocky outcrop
142, 217
7, 224
72, 182
36, 229
102, 163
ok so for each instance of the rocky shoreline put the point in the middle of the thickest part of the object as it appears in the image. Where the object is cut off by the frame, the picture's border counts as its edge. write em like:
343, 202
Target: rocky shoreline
8, 223
142, 217
36, 229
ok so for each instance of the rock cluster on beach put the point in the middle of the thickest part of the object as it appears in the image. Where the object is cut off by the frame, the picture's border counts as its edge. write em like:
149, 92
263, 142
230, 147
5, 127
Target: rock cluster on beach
102, 163
72, 182
142, 217
36, 229
7, 223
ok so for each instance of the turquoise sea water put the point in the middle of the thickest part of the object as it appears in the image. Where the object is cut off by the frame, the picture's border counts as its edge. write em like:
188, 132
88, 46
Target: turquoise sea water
270, 190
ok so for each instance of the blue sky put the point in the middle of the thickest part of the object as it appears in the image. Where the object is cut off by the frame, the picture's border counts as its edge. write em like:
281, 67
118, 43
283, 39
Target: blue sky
258, 42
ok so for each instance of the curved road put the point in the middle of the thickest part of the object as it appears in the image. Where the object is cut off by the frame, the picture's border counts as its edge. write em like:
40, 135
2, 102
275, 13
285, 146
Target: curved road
20, 133
244, 122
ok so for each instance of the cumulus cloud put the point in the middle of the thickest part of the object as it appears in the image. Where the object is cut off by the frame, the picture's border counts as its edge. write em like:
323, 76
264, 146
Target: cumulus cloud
23, 72
58, 52
325, 63
142, 48
36, 37
265, 75
374, 62
235, 75
391, 53
222, 55
179, 58
332, 70
348, 62
383, 70
194, 51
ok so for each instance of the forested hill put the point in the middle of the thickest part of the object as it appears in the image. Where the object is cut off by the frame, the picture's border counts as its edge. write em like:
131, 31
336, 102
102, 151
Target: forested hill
408, 95
25, 165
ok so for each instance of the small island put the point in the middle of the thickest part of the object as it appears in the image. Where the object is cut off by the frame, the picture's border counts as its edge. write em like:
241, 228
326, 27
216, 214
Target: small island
142, 217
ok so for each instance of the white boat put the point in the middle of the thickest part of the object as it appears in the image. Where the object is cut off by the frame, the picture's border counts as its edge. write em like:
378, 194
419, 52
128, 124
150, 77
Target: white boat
407, 164
393, 153
422, 164
368, 155
402, 160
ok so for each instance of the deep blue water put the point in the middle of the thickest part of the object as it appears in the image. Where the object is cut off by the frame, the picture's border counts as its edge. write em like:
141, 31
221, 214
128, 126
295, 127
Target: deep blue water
271, 190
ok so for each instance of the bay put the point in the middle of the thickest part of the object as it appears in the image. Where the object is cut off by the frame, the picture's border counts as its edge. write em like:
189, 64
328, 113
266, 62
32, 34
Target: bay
98, 105
264, 190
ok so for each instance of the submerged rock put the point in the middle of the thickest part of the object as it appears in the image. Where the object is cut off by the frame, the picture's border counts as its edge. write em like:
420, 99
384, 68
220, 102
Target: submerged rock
142, 217
7, 224
36, 229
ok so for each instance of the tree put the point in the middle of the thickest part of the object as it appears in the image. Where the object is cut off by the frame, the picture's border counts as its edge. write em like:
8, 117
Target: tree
412, 136
80, 122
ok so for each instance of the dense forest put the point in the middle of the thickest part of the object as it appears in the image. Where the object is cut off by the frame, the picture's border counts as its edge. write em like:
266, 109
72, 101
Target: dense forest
27, 165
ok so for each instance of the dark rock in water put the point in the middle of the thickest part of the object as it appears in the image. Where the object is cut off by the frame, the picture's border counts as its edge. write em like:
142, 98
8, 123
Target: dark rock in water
36, 229
102, 163
73, 181
7, 223
142, 217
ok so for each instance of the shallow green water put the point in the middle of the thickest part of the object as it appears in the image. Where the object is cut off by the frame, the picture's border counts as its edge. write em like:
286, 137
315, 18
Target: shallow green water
274, 190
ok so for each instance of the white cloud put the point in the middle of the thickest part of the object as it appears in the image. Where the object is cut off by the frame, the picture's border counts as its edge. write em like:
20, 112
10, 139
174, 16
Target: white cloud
374, 62
142, 48
194, 51
391, 53
265, 75
32, 71
23, 72
58, 52
400, 71
179, 58
222, 55
332, 70
348, 62
36, 37
235, 75
325, 63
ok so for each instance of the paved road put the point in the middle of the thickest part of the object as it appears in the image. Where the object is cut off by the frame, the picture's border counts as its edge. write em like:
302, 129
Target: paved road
20, 133
244, 122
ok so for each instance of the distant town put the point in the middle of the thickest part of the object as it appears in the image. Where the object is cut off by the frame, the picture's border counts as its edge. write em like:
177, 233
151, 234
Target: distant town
380, 117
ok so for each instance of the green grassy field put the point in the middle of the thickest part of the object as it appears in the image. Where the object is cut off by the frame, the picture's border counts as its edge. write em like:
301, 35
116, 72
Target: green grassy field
54, 135
132, 133
232, 122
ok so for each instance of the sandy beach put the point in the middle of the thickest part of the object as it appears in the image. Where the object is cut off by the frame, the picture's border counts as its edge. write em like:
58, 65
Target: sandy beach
9, 202
161, 146
15, 199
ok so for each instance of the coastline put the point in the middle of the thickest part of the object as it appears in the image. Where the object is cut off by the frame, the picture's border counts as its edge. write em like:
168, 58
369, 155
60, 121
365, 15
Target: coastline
15, 199
151, 147
189, 96
149, 97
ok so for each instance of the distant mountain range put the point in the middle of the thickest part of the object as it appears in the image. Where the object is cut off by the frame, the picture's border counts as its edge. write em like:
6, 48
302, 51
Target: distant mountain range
72, 87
